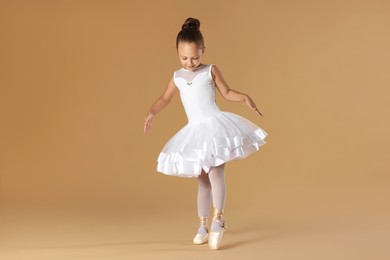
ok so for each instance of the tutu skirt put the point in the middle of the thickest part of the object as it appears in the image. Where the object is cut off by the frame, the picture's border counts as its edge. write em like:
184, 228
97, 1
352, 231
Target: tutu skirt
208, 143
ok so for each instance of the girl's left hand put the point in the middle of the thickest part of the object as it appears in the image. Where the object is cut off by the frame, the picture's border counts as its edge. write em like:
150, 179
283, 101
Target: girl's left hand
252, 104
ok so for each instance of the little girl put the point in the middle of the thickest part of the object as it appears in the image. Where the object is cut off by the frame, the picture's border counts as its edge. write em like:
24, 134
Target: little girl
211, 137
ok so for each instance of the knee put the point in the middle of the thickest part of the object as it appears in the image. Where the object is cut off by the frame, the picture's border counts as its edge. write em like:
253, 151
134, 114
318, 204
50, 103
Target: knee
217, 170
204, 182
204, 185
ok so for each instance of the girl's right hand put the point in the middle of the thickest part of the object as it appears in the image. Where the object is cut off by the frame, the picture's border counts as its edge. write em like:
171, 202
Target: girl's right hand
148, 122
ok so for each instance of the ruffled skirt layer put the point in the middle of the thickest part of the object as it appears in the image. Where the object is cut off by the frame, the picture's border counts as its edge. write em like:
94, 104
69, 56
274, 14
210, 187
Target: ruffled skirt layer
212, 142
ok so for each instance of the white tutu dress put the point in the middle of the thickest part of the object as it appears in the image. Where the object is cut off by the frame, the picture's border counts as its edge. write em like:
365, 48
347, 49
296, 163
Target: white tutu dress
211, 136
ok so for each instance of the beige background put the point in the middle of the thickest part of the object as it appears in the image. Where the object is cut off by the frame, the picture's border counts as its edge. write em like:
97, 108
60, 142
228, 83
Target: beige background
78, 176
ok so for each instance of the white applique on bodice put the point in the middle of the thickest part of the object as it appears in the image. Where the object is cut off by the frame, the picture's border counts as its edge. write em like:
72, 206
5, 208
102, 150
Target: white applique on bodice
197, 93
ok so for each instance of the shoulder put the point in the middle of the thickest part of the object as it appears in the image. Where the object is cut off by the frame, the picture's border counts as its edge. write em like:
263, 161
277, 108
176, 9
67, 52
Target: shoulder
177, 70
214, 70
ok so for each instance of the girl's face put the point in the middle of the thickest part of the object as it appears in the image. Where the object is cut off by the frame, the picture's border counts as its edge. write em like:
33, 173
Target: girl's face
189, 55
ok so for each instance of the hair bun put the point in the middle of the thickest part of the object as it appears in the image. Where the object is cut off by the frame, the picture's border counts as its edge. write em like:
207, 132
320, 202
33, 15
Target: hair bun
191, 23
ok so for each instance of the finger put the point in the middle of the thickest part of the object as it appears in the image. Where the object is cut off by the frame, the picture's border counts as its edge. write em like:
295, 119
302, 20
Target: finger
258, 111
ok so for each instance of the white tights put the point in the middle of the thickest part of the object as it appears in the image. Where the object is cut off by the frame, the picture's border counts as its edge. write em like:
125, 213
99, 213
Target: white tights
211, 185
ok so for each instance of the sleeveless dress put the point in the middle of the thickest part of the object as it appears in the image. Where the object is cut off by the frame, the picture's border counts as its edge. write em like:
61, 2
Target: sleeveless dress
211, 137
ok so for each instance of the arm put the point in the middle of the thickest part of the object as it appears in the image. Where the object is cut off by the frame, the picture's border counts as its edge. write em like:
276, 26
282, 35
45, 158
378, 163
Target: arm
223, 88
164, 99
228, 93
159, 104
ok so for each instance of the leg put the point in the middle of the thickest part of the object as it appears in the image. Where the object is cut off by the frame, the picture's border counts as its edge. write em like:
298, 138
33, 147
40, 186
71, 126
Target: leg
204, 194
204, 200
218, 187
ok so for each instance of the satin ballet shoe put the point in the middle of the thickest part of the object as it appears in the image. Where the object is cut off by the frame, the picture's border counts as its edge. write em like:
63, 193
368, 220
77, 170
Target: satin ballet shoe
215, 237
201, 238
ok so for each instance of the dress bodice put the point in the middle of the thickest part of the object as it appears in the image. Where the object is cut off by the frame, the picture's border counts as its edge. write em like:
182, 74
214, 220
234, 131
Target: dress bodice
197, 93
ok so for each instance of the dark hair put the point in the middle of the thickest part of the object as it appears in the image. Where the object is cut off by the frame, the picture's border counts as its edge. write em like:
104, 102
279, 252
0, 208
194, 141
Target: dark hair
190, 33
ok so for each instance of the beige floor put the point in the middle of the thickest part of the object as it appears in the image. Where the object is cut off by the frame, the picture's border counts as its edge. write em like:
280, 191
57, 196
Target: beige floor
351, 224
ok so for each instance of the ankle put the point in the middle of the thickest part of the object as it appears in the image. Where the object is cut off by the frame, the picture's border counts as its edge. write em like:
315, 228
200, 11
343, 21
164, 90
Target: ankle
203, 221
218, 214
218, 222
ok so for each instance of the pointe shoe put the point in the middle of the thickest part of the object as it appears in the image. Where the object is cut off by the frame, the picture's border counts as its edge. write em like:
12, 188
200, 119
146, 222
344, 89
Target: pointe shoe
201, 238
215, 237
